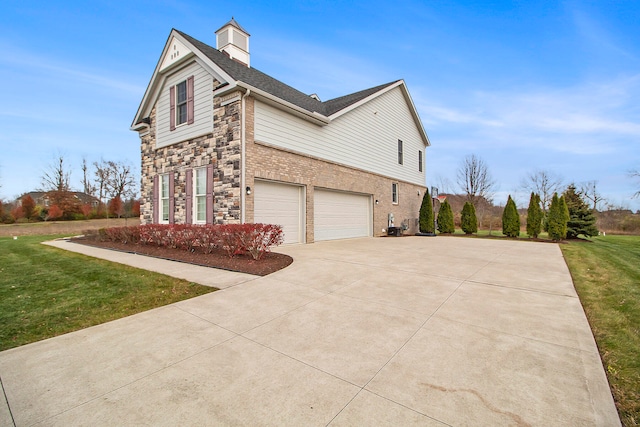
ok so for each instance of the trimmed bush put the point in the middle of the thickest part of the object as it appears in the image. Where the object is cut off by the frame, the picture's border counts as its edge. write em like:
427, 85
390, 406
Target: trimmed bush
445, 219
234, 239
468, 220
557, 218
534, 216
426, 214
510, 219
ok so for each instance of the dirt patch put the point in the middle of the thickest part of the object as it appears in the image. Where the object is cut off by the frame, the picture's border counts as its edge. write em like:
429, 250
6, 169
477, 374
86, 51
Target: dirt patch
270, 263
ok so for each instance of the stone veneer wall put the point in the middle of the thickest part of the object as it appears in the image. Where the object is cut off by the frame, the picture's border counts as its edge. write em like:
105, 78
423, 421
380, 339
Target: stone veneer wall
272, 163
222, 148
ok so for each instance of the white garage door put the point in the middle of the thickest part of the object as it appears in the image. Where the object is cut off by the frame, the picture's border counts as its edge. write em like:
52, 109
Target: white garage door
339, 215
276, 203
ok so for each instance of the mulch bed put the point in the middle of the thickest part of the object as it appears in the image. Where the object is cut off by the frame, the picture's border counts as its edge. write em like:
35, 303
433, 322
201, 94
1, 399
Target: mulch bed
270, 262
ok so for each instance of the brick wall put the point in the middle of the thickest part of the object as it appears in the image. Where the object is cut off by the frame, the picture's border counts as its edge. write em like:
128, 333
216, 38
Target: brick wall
222, 148
272, 163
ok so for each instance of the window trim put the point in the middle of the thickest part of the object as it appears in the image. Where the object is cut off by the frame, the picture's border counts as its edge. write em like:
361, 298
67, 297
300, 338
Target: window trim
175, 107
164, 179
181, 106
196, 195
395, 193
400, 152
420, 162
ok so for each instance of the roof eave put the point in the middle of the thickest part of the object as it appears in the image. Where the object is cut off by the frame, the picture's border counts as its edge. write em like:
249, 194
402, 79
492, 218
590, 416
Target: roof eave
153, 86
312, 116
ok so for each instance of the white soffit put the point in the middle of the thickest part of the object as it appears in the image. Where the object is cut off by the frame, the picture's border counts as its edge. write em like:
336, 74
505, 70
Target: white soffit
176, 52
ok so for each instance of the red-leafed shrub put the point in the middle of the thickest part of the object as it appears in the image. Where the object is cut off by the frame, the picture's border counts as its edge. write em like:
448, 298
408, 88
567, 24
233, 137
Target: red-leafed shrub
256, 239
135, 208
208, 238
55, 212
86, 210
28, 207
229, 238
116, 208
234, 239
121, 234
17, 213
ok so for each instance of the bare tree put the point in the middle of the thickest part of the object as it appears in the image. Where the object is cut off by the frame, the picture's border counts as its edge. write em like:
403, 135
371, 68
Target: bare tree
114, 179
87, 186
544, 184
443, 184
475, 180
102, 176
589, 190
56, 176
636, 174
121, 180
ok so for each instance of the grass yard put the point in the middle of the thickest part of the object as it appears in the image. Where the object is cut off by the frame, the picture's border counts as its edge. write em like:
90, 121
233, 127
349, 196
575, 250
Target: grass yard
46, 291
606, 274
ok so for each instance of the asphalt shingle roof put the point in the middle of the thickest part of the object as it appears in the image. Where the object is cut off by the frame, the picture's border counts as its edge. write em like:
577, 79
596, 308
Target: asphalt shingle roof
262, 81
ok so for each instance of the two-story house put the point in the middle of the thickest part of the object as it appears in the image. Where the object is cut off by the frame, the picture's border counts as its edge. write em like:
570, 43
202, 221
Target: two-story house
225, 143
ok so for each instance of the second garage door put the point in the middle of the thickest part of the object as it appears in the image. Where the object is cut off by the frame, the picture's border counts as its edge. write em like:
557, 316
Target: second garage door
340, 215
277, 203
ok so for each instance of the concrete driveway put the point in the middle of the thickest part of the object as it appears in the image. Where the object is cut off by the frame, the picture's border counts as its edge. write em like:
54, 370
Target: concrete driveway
384, 331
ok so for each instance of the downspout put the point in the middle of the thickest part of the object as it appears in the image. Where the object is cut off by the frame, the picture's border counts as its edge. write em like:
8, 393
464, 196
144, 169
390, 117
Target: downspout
243, 173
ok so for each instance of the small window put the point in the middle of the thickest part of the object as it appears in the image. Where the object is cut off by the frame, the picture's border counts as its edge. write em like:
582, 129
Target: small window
400, 155
164, 198
419, 161
394, 193
200, 198
181, 103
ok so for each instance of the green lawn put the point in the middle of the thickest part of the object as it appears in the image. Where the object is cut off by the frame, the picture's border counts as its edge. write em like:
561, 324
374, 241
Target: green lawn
46, 291
606, 274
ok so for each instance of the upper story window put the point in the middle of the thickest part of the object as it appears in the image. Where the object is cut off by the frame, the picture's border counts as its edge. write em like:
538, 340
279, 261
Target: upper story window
181, 104
394, 193
400, 155
420, 163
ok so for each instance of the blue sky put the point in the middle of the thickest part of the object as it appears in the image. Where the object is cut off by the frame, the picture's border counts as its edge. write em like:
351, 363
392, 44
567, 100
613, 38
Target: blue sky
524, 85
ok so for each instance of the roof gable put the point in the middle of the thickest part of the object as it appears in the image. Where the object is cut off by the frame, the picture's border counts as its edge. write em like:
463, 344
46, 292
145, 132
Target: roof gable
233, 75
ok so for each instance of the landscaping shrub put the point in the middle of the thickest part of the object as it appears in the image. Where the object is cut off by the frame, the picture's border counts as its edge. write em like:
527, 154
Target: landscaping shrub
581, 217
510, 219
54, 212
534, 216
557, 218
234, 239
426, 214
445, 218
256, 239
468, 220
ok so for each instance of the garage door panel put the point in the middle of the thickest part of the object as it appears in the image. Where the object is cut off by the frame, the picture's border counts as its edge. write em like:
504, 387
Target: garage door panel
339, 215
276, 203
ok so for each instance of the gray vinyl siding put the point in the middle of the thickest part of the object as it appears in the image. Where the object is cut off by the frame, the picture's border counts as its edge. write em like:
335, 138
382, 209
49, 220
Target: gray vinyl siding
202, 107
365, 138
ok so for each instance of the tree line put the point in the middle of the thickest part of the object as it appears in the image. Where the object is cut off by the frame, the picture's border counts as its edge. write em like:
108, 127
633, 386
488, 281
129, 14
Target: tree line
108, 188
473, 206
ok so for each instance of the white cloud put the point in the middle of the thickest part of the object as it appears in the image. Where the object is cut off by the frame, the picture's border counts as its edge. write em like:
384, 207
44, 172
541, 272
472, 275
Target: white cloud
75, 72
584, 119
